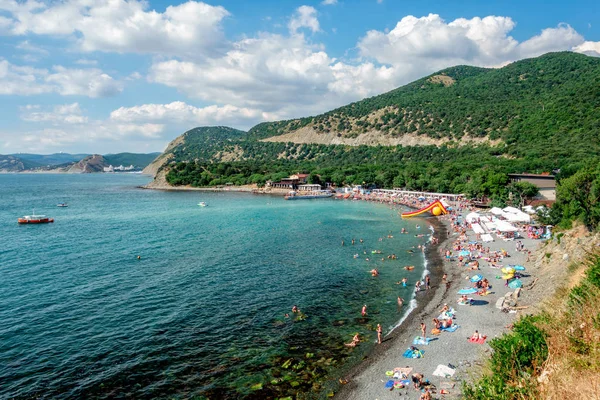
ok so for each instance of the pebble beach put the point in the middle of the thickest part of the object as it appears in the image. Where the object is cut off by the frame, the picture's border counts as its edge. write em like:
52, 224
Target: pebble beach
450, 349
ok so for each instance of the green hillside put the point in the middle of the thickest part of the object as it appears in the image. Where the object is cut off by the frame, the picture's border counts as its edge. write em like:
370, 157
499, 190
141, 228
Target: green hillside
540, 115
550, 103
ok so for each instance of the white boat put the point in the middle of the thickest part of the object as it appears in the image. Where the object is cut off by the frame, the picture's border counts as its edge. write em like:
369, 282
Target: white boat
202, 204
62, 205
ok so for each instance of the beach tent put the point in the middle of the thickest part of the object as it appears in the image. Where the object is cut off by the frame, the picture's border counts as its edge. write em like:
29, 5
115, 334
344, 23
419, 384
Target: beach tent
487, 238
503, 226
472, 217
477, 228
496, 211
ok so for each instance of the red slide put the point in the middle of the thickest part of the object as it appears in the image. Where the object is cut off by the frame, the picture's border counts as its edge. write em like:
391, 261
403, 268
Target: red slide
436, 208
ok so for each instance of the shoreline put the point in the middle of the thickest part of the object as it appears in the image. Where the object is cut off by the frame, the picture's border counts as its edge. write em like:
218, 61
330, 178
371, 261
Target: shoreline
409, 322
367, 379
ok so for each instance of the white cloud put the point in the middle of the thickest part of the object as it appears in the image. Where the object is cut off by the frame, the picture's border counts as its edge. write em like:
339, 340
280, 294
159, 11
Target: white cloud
25, 80
429, 43
589, 48
304, 17
61, 114
329, 2
120, 26
84, 82
183, 114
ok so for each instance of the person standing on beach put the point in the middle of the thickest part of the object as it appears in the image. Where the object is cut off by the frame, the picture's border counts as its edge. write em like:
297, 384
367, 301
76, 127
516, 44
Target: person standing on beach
444, 278
423, 330
379, 330
427, 282
418, 286
363, 312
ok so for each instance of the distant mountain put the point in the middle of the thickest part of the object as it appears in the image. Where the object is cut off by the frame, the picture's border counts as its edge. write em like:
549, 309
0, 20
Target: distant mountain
50, 159
139, 161
65, 162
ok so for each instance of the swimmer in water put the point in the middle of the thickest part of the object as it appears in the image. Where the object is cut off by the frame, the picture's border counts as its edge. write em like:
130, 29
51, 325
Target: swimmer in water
363, 312
400, 301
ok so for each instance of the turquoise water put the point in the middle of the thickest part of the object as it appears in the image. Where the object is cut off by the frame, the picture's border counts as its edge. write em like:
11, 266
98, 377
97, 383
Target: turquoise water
202, 312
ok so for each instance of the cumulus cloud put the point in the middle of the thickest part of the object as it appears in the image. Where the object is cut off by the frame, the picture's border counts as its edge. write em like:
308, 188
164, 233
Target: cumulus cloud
283, 76
181, 113
25, 80
329, 2
589, 48
304, 17
431, 43
119, 25
60, 114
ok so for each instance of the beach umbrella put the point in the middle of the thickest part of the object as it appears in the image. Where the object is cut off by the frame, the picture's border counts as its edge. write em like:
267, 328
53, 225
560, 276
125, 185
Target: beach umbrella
465, 253
508, 276
467, 291
476, 278
515, 284
508, 270
519, 268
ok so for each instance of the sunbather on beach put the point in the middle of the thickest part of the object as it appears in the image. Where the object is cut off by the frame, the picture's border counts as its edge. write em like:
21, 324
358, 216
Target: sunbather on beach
426, 395
477, 336
417, 380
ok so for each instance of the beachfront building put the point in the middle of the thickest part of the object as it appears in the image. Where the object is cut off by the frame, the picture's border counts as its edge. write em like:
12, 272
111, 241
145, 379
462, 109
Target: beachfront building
309, 187
291, 183
545, 183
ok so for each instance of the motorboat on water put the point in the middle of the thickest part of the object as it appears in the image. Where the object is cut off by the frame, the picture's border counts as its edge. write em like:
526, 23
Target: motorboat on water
202, 204
35, 219
62, 205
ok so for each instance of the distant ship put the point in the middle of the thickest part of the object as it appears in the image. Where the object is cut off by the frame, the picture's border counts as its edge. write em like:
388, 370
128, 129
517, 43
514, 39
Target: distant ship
35, 219
321, 194
202, 204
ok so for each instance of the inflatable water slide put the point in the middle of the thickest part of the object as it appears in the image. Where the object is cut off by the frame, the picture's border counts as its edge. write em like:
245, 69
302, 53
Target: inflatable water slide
436, 208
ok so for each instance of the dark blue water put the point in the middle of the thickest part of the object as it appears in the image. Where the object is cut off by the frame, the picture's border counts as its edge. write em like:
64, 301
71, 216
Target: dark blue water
202, 312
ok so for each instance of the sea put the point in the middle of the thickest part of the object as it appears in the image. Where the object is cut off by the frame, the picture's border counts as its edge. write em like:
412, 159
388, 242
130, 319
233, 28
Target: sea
205, 312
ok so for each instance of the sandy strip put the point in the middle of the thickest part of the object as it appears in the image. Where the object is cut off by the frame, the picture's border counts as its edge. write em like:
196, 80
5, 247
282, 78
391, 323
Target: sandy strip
367, 380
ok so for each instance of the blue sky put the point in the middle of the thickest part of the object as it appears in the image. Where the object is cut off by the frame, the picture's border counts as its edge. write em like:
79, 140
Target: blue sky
123, 75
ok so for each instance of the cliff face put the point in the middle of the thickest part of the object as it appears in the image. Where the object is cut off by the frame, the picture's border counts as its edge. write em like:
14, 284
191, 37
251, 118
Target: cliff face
90, 164
11, 164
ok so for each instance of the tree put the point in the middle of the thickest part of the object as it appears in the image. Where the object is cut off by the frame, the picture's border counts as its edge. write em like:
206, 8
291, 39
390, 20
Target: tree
523, 191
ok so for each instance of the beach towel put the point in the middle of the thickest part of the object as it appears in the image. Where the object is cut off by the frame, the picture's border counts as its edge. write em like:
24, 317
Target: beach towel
416, 353
402, 372
479, 341
450, 328
421, 340
444, 371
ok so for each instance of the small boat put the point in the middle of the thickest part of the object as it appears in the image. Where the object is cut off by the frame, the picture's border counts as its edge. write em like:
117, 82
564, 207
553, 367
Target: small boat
35, 219
62, 205
202, 204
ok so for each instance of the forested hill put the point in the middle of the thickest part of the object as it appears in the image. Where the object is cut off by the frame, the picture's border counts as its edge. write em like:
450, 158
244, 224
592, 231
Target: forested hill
473, 126
553, 98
